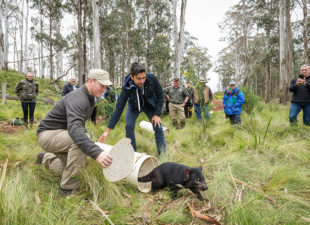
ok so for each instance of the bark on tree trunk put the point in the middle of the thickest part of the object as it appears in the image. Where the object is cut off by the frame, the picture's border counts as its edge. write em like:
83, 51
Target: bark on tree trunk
84, 41
21, 30
245, 34
179, 46
6, 37
26, 40
305, 32
96, 35
1, 41
41, 62
285, 55
51, 46
80, 47
59, 61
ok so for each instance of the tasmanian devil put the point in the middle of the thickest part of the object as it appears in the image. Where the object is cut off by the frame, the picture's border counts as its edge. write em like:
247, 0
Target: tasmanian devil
173, 175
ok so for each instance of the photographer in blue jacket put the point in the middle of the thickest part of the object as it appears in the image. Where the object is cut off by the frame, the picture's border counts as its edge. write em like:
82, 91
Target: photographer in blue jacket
232, 103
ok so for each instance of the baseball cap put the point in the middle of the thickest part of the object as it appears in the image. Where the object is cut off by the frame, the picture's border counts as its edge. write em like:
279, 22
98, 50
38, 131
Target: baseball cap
232, 83
101, 76
176, 78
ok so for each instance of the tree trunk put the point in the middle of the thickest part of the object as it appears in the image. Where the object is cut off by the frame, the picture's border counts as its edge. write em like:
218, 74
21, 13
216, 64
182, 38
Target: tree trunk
51, 46
175, 34
80, 46
6, 37
84, 41
1, 41
179, 47
148, 39
305, 32
245, 34
26, 40
41, 60
21, 30
285, 60
59, 61
267, 82
96, 35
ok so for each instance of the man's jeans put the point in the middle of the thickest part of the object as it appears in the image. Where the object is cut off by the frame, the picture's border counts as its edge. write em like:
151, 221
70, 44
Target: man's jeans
204, 109
131, 117
295, 110
31, 106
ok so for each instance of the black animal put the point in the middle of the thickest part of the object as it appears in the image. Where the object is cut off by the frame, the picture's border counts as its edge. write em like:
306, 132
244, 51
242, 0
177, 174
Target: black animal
173, 175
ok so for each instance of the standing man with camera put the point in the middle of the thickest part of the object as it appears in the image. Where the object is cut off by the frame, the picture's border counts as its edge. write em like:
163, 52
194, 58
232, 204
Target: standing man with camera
27, 91
300, 87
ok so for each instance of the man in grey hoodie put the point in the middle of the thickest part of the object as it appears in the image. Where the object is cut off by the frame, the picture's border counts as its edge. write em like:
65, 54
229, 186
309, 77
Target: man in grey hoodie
63, 136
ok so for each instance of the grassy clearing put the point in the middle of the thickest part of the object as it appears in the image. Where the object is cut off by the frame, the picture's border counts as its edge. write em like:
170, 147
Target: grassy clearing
264, 152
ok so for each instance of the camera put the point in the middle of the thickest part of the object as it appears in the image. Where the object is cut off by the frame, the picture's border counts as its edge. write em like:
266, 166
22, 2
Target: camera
301, 76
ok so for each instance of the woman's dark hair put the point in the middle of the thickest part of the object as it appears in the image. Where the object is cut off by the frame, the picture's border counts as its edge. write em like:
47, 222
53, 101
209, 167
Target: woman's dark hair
137, 68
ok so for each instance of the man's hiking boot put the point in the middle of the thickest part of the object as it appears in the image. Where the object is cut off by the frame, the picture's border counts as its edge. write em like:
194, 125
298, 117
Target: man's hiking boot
40, 157
66, 192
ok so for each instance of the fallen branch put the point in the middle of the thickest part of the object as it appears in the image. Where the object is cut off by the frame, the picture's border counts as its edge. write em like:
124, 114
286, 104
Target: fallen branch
254, 189
101, 211
38, 200
3, 173
201, 216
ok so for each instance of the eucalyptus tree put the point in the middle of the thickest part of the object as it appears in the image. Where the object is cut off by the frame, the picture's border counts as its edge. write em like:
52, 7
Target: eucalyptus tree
155, 28
178, 35
51, 12
285, 49
196, 64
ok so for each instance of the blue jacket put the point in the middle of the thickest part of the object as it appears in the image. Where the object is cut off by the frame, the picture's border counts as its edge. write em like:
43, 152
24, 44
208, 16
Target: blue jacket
233, 102
153, 93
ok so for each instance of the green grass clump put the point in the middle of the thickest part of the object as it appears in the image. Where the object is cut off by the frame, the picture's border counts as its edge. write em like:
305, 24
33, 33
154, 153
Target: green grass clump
265, 153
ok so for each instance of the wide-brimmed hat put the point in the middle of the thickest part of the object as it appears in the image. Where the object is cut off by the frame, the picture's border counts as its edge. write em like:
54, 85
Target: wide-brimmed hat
101, 76
202, 80
122, 159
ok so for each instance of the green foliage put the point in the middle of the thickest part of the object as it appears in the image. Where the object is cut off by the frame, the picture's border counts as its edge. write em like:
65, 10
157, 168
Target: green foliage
251, 100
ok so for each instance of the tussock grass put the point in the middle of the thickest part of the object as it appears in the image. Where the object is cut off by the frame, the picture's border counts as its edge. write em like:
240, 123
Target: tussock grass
264, 152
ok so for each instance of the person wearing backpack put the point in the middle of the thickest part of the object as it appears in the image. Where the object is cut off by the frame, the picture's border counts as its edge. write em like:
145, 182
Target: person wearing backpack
232, 103
27, 91
202, 97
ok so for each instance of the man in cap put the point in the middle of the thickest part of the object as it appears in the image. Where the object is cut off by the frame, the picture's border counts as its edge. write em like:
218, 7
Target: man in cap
177, 97
232, 103
62, 134
143, 93
202, 97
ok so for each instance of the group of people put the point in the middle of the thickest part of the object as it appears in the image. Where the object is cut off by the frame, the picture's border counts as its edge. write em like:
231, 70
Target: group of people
62, 133
180, 101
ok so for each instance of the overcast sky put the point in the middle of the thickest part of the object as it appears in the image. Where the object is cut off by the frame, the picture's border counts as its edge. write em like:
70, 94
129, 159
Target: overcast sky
202, 18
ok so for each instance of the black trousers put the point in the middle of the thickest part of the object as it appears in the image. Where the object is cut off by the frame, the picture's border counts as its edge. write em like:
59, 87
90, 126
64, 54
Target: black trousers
188, 108
31, 106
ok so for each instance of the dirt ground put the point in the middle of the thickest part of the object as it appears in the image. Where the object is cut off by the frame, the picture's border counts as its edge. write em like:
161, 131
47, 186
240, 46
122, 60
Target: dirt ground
5, 127
218, 105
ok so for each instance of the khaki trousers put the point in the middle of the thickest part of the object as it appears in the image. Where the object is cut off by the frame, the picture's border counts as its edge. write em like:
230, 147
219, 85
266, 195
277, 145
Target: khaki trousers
175, 109
62, 156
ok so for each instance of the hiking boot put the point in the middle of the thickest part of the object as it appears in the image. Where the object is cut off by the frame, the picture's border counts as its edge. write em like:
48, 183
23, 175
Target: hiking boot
182, 124
175, 124
40, 157
66, 192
